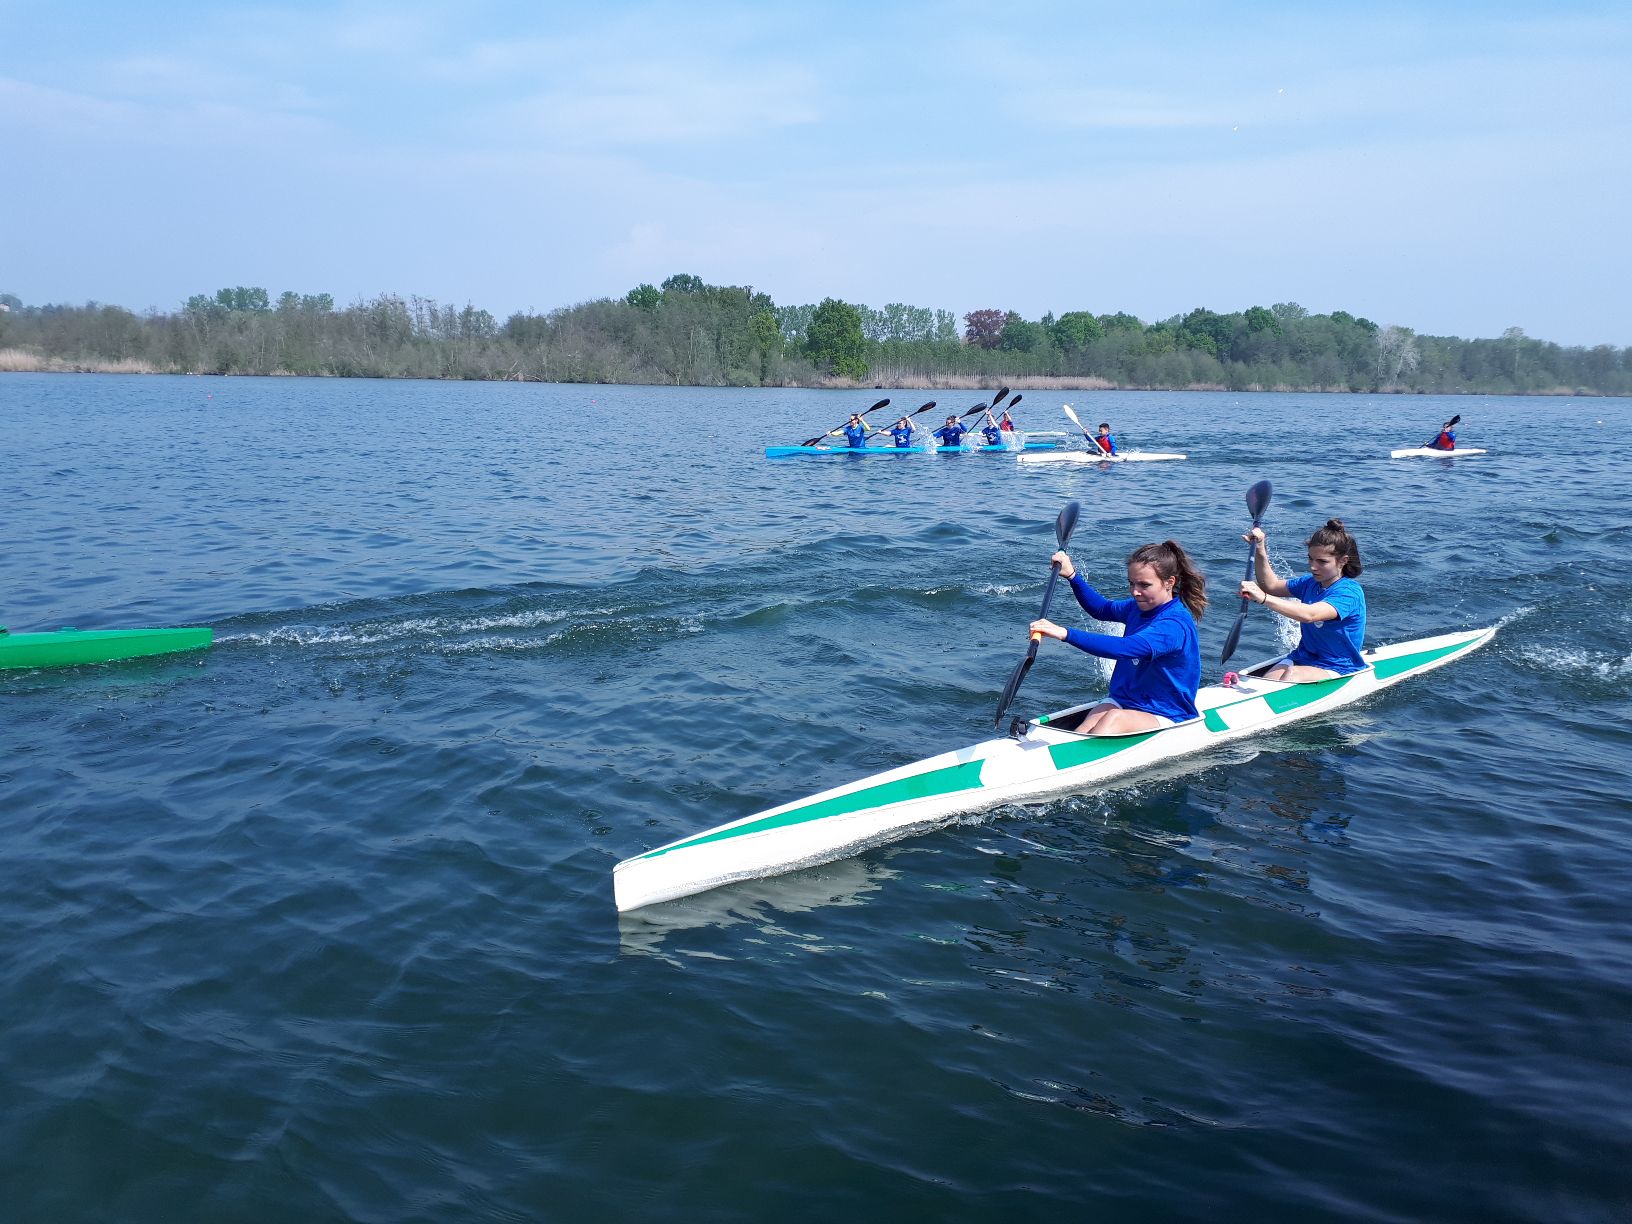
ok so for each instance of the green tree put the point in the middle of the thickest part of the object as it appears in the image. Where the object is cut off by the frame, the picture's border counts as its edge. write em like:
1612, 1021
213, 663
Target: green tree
644, 296
834, 339
684, 282
1019, 336
1076, 330
1259, 319
1120, 321
243, 299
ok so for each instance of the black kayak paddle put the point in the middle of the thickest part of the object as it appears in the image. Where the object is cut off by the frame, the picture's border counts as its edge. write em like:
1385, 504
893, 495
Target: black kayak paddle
842, 424
1257, 502
1064, 525
909, 416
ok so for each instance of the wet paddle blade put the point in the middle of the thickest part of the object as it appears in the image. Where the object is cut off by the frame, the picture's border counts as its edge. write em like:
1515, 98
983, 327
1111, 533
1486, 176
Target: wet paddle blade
1258, 500
1234, 640
1013, 686
1066, 523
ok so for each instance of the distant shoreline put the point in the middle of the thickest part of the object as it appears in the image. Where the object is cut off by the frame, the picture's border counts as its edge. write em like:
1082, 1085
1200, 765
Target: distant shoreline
29, 364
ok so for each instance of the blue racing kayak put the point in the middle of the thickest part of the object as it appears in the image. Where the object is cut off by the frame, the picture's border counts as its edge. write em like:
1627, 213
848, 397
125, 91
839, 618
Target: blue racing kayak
788, 452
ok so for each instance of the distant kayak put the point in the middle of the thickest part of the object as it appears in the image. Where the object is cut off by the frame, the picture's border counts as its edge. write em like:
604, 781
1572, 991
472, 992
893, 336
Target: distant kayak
73, 647
1091, 457
1411, 452
859, 452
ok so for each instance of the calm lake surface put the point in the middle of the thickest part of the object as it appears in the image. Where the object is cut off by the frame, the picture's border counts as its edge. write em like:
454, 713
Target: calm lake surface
318, 925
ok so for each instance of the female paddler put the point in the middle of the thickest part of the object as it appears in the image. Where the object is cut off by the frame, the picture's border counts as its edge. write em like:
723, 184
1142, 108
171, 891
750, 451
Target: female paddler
1327, 602
1158, 656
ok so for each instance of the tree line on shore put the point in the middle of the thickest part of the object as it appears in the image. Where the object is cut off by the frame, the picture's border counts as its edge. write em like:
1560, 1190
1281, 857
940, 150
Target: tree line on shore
685, 331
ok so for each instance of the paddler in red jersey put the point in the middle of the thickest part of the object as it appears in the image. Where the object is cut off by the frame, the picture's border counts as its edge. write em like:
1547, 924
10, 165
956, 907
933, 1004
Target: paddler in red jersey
1105, 440
1445, 441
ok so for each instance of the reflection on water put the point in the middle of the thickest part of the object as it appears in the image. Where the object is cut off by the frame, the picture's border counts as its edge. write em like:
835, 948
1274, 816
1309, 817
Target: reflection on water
759, 902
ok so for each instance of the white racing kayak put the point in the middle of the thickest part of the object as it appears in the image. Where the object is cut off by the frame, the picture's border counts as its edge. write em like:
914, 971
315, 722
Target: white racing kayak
1094, 457
1046, 757
1411, 452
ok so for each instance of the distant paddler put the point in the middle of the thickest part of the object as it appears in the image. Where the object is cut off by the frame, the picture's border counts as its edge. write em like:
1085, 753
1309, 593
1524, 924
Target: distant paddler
1445, 439
1158, 656
992, 431
1327, 602
901, 432
855, 433
1104, 439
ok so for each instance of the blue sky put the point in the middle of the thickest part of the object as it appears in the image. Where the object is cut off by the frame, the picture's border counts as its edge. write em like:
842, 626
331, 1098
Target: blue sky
1457, 168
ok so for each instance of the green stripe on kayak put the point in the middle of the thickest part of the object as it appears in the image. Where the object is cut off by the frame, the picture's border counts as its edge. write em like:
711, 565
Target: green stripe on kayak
927, 785
1387, 668
1302, 694
1093, 748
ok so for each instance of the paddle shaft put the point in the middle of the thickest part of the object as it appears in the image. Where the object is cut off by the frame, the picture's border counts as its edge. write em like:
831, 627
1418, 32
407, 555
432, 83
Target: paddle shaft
812, 441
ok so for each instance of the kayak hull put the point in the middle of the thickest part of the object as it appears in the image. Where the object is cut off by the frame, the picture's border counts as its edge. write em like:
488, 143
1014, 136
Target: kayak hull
862, 452
1428, 452
1046, 759
1090, 457
74, 647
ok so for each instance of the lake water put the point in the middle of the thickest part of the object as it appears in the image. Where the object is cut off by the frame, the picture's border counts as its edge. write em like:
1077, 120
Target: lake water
318, 924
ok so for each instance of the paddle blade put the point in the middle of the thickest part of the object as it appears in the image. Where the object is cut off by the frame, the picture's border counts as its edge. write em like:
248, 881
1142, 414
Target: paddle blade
1073, 416
976, 409
925, 408
1013, 686
1234, 640
1066, 523
1014, 401
1002, 394
881, 403
1258, 499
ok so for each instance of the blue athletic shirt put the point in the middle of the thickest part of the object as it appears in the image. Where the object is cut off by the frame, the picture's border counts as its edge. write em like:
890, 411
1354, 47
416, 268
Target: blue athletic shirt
902, 434
856, 434
1158, 657
1334, 644
951, 435
993, 435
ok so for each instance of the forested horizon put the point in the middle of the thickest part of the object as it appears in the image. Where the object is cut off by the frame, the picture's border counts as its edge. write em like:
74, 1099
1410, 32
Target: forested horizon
688, 332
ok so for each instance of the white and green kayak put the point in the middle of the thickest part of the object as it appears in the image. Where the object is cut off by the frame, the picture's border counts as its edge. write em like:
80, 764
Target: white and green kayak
1100, 457
1046, 757
1428, 452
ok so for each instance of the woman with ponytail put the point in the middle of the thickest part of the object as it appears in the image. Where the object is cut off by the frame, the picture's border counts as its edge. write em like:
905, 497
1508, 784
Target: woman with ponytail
1158, 656
1327, 602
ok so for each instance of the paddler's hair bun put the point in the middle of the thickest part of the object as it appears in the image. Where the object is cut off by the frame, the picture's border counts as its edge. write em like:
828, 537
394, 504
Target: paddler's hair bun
1337, 538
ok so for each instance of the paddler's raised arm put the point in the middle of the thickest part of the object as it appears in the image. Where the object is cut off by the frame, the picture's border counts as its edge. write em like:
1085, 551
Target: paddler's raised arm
1091, 601
1270, 582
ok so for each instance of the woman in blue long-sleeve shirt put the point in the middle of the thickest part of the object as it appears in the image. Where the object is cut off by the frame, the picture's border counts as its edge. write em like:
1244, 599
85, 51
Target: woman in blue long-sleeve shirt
1158, 656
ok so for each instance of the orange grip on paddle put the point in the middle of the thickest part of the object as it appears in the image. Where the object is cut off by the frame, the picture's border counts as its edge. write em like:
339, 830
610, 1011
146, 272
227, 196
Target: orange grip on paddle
1036, 635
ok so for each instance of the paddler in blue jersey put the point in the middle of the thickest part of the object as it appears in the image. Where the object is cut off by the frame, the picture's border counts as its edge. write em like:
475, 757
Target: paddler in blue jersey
855, 433
992, 431
901, 432
1105, 440
1158, 656
951, 434
1445, 441
1327, 602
